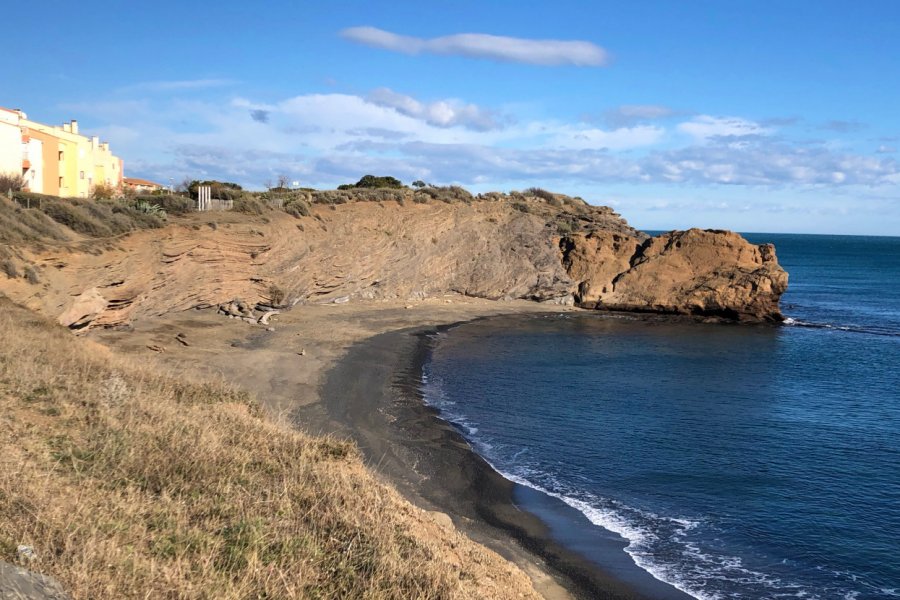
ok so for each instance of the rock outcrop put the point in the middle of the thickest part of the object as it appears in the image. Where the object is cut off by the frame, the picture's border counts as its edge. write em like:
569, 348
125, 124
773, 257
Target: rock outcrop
696, 272
499, 247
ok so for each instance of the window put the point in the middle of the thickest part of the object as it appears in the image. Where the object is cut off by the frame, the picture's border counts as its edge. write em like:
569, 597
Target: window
61, 182
62, 155
81, 174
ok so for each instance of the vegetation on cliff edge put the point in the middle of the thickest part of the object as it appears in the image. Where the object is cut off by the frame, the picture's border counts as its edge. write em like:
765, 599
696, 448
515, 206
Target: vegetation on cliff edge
129, 484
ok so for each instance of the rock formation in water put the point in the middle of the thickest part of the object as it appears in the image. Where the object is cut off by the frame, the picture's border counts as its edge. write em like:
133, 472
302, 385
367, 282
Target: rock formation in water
698, 272
543, 248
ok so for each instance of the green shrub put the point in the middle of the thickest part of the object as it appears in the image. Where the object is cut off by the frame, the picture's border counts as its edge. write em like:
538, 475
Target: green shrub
73, 216
448, 194
220, 190
9, 267
171, 204
248, 205
297, 208
541, 193
104, 191
276, 295
148, 208
31, 275
331, 197
565, 227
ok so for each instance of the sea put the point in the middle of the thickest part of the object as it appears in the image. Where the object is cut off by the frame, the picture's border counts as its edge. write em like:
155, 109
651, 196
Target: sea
733, 461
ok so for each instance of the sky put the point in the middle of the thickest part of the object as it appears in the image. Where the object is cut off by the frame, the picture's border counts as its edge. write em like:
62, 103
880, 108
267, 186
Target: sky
775, 116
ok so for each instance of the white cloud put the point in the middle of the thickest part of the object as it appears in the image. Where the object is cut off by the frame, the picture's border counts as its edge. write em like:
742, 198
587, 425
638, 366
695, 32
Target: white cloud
326, 139
586, 138
704, 127
481, 45
442, 113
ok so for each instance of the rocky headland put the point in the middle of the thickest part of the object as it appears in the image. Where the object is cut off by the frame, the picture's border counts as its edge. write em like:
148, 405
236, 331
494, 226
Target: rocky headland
338, 285
398, 244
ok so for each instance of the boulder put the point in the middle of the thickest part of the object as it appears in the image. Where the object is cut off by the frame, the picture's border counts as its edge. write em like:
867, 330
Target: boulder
21, 584
85, 308
698, 272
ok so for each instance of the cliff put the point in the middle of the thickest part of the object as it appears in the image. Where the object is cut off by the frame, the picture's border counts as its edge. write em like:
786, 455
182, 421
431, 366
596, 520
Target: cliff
496, 246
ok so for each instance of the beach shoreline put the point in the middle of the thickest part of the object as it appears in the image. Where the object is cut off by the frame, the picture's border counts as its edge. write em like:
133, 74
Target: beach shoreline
432, 464
354, 371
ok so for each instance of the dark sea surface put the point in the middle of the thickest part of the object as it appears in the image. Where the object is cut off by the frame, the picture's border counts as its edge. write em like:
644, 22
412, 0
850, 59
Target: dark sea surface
736, 461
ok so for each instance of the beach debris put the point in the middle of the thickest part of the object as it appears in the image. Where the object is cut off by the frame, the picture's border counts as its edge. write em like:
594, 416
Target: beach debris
236, 308
408, 306
180, 338
156, 348
341, 300
270, 329
264, 320
302, 352
25, 554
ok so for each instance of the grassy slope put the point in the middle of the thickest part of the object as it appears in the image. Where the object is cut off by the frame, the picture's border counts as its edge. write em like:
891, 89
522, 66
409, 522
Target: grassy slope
129, 484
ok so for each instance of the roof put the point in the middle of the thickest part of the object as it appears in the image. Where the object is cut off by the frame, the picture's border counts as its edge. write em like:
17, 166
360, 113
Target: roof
136, 181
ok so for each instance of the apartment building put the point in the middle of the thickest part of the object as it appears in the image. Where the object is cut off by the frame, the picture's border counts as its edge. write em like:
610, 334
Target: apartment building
55, 160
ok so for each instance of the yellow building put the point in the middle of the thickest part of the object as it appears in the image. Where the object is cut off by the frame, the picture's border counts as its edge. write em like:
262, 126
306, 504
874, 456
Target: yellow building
79, 163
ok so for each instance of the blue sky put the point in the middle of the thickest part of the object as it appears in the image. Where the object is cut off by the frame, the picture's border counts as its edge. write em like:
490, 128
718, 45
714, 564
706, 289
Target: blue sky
754, 116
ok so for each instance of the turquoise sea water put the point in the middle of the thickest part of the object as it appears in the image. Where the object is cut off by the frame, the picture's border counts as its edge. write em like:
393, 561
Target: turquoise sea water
737, 461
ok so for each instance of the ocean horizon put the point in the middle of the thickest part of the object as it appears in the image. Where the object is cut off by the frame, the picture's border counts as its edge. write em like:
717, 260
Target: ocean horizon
734, 461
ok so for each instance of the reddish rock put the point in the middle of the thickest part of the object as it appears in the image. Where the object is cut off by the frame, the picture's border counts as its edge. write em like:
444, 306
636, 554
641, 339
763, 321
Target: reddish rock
698, 272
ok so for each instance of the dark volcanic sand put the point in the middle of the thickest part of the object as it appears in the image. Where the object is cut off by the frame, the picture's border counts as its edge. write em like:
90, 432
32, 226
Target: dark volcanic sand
373, 394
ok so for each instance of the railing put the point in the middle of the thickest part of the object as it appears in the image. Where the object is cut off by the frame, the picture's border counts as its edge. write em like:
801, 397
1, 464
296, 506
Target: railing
213, 204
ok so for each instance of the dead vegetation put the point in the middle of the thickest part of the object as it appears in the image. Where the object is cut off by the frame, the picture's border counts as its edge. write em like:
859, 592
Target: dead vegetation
129, 484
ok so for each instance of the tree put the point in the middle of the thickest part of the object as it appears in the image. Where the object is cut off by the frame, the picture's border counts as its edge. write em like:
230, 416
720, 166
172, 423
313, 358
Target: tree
11, 182
371, 181
418, 183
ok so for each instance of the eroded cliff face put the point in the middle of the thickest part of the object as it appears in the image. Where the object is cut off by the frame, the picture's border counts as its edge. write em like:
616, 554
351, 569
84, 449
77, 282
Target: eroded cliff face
698, 272
493, 248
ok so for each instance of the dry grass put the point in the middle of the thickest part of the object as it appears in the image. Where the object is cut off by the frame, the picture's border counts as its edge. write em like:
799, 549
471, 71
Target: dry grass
129, 484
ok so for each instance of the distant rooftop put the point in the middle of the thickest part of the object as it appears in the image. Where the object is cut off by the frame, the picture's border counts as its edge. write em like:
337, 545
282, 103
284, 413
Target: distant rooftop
137, 181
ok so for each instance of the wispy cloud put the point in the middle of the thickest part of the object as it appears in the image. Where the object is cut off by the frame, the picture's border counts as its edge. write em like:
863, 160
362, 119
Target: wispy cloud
629, 114
326, 139
705, 127
482, 45
174, 86
441, 113
842, 126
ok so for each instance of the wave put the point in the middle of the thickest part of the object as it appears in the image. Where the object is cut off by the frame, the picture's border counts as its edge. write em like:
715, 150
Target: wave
705, 575
871, 330
672, 549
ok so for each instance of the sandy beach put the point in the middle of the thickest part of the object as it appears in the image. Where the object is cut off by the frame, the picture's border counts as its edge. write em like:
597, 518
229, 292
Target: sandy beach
352, 370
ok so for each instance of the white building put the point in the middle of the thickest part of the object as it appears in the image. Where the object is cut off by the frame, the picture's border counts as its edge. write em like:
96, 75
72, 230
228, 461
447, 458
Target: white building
33, 164
10, 143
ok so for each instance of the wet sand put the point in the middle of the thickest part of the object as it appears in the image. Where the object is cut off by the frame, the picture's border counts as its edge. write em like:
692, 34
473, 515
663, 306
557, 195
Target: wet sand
354, 370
